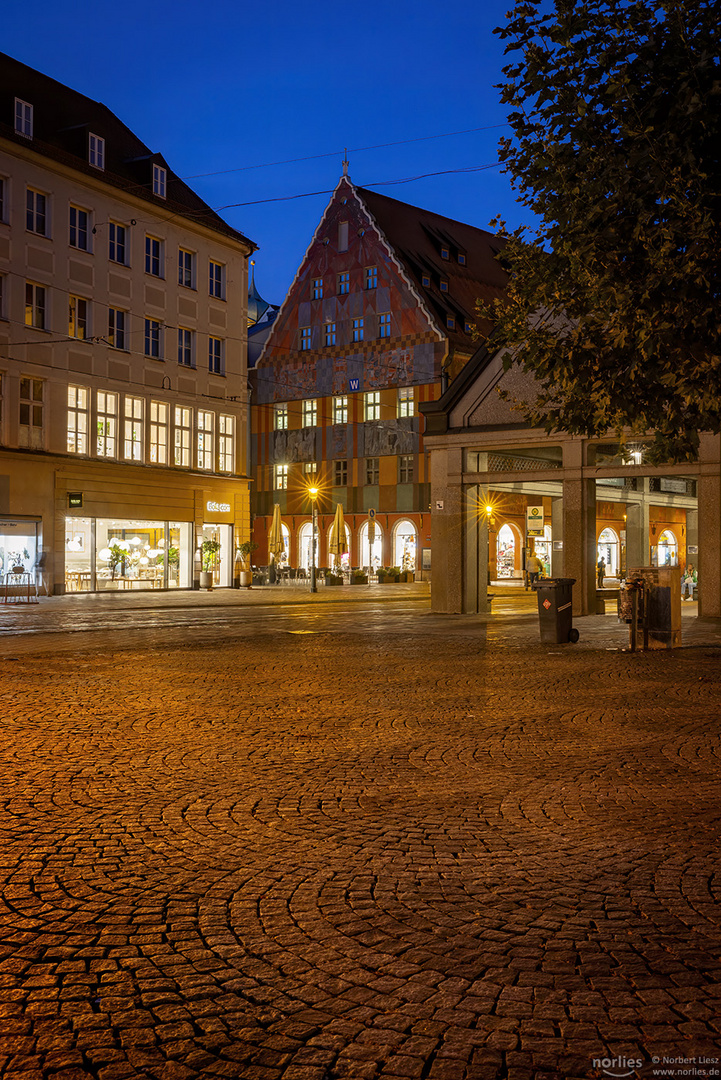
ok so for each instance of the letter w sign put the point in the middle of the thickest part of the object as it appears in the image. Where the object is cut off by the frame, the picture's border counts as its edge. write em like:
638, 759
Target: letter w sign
354, 384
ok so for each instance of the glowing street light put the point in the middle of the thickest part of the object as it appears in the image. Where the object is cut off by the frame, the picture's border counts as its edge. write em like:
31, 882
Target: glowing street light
313, 493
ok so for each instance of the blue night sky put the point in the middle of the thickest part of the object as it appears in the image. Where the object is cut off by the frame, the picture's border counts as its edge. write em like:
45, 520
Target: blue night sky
224, 87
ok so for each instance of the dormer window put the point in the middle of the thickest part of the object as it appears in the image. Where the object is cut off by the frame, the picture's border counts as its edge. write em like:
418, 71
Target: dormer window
426, 281
467, 327
461, 259
159, 180
443, 285
23, 118
445, 253
450, 322
96, 151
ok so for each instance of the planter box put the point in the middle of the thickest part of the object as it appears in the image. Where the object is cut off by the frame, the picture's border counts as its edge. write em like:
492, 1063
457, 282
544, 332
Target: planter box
388, 579
408, 575
359, 581
333, 581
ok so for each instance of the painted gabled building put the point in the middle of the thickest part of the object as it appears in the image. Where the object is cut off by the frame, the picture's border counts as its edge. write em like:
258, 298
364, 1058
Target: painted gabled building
380, 315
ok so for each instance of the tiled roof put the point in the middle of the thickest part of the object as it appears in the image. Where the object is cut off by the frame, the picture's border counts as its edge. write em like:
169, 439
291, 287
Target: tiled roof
419, 238
62, 121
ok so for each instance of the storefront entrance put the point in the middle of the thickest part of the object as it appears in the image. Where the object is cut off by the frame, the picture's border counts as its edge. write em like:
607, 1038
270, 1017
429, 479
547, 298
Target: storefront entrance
219, 562
404, 545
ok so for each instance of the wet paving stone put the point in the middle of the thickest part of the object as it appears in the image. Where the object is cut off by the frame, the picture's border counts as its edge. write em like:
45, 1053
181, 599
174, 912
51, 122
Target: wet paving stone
379, 850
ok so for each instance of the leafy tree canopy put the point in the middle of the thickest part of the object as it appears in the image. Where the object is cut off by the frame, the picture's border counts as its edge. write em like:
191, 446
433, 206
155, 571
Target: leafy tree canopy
613, 302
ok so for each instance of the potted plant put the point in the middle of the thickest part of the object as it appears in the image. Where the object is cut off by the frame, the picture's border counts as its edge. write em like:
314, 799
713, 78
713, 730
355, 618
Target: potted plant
359, 577
16, 559
245, 550
388, 575
209, 551
333, 578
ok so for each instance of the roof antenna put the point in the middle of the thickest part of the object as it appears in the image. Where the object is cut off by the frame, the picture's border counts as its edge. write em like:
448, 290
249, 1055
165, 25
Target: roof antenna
345, 161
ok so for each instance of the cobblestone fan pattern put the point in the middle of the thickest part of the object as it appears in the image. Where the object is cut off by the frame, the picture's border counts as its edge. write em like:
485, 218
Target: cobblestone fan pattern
311, 857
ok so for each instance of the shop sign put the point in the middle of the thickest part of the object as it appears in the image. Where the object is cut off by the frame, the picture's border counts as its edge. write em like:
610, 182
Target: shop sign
439, 504
75, 500
217, 508
534, 521
558, 545
692, 549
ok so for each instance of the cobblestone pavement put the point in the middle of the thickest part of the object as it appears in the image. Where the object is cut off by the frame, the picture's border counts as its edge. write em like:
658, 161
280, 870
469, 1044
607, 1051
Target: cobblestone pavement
398, 848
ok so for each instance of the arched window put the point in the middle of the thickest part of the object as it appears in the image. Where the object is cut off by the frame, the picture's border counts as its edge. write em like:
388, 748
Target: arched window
305, 537
345, 557
506, 556
405, 545
608, 550
376, 553
285, 532
667, 549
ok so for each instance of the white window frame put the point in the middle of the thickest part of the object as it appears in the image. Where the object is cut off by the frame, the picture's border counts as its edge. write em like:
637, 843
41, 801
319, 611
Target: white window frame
280, 416
153, 339
160, 181
186, 268
204, 439
182, 436
78, 317
159, 418
372, 471
118, 243
186, 347
280, 478
340, 409
118, 328
32, 404
216, 279
36, 214
310, 412
78, 415
23, 118
406, 401
216, 355
406, 469
372, 405
226, 443
96, 151
106, 412
79, 228
154, 256
133, 428
36, 304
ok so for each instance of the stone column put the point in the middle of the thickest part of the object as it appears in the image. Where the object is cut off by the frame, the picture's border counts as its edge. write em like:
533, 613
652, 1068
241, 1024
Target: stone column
475, 554
557, 561
447, 528
709, 528
579, 542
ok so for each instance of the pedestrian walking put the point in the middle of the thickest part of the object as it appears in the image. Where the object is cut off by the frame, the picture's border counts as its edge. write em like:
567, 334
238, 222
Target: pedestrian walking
689, 582
600, 571
533, 568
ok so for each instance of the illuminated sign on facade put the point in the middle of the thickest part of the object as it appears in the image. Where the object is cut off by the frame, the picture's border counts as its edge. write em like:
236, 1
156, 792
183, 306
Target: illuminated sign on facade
217, 508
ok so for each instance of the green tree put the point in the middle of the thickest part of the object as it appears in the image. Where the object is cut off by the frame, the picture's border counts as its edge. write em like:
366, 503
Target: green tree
613, 302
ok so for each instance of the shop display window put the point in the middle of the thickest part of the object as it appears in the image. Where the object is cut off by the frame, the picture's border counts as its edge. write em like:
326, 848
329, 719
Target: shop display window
109, 554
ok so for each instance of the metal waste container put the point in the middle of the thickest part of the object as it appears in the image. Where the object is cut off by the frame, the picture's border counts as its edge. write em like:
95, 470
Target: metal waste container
554, 610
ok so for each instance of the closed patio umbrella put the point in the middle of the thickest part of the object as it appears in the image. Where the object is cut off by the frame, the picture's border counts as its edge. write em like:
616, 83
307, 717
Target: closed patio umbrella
276, 546
337, 543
